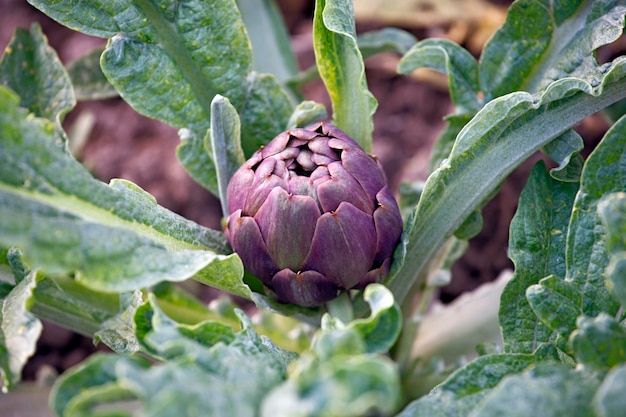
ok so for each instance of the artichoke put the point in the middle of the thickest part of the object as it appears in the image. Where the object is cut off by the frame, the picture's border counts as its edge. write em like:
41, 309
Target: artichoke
311, 215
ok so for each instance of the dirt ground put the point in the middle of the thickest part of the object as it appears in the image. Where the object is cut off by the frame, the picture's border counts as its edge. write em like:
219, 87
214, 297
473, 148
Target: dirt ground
123, 144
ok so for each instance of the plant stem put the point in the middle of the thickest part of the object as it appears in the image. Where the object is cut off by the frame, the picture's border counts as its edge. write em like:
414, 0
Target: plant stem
415, 307
439, 215
72, 305
341, 308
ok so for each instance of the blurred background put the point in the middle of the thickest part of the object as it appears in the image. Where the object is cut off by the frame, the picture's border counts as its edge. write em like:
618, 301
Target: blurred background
119, 143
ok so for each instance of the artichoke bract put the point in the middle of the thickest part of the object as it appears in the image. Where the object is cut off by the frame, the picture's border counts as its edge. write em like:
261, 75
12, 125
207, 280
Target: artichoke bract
311, 215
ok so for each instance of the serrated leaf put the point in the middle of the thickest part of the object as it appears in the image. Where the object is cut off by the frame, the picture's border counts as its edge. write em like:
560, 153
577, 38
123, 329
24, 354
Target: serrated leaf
464, 390
537, 248
202, 373
599, 342
32, 69
543, 41
88, 79
609, 400
505, 132
548, 390
341, 67
587, 256
451, 59
19, 331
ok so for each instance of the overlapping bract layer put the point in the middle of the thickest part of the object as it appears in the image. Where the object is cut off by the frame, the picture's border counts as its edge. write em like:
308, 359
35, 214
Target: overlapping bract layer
311, 214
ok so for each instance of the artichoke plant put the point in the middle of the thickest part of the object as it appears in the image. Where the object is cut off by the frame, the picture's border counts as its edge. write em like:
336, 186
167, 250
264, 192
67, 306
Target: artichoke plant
311, 215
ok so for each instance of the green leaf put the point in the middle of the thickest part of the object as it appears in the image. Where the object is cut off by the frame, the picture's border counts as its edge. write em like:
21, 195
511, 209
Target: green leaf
342, 375
343, 385
458, 331
464, 390
609, 399
445, 142
169, 60
19, 331
118, 332
306, 113
381, 329
92, 17
410, 194
341, 67
166, 339
375, 334
587, 256
78, 390
548, 390
599, 342
270, 40
537, 248
32, 69
565, 150
264, 113
111, 237
225, 144
543, 41
557, 303
194, 156
88, 79
501, 136
385, 40
202, 372
612, 211
451, 59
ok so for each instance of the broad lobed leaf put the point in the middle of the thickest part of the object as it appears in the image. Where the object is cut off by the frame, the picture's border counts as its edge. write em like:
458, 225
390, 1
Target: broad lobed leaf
543, 41
587, 256
32, 69
112, 237
200, 373
168, 60
537, 247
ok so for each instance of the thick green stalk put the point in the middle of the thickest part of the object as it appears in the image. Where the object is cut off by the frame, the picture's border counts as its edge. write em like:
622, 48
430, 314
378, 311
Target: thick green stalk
436, 220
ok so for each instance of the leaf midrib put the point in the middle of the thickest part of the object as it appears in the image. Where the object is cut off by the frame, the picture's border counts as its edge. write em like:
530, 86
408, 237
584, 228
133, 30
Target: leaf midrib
89, 212
169, 40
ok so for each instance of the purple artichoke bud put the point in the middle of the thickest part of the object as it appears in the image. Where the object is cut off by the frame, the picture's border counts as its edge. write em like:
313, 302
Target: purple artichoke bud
311, 214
